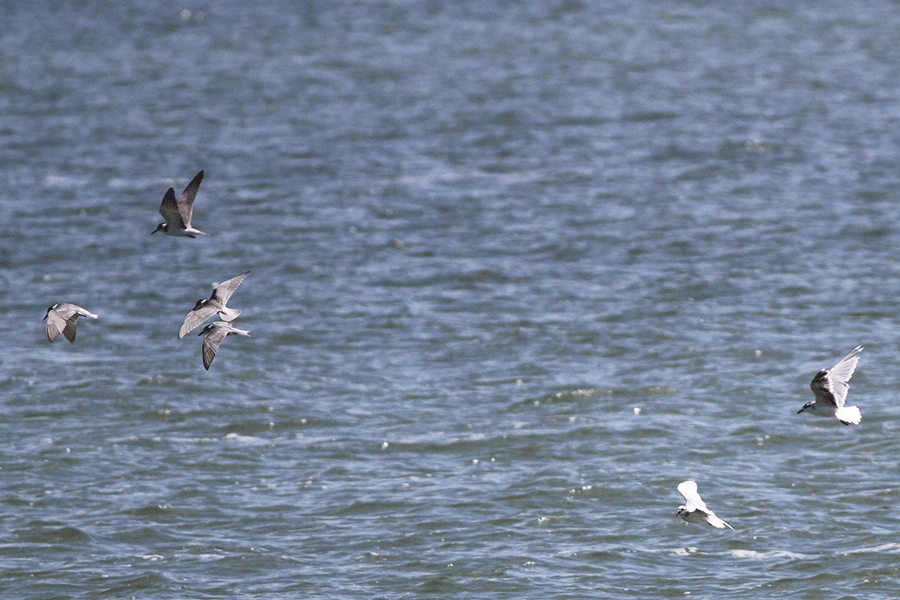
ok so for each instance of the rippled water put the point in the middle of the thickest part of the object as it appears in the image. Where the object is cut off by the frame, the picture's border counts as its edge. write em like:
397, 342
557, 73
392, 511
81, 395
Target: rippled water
517, 270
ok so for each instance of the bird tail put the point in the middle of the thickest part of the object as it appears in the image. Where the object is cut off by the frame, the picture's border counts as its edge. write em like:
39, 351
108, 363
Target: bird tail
230, 314
848, 415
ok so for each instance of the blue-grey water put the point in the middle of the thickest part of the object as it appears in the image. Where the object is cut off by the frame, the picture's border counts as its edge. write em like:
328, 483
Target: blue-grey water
517, 269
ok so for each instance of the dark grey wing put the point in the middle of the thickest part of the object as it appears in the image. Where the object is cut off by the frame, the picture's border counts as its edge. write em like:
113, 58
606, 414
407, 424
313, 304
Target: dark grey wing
831, 386
195, 318
211, 344
224, 290
186, 199
169, 210
71, 328
821, 388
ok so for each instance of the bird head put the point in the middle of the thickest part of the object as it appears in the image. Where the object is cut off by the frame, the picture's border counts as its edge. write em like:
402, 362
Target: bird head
161, 227
806, 406
200, 304
47, 314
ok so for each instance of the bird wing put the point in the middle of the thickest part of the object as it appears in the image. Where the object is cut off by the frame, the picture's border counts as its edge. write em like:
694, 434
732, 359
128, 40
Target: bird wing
169, 210
55, 325
71, 328
211, 344
692, 500
186, 199
195, 318
223, 291
831, 386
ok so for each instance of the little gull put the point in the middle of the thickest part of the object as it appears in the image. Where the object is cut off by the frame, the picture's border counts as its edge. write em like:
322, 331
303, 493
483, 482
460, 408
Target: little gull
215, 333
830, 387
177, 213
694, 508
216, 303
61, 318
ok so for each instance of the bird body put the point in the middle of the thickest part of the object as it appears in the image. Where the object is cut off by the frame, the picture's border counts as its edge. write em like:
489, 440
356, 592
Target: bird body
216, 303
178, 213
830, 387
61, 319
694, 509
215, 333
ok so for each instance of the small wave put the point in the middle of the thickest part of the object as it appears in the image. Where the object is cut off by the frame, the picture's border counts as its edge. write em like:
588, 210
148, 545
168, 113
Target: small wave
766, 554
889, 547
247, 439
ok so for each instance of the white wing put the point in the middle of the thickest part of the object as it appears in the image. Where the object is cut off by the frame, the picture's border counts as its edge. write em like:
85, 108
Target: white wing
831, 386
692, 500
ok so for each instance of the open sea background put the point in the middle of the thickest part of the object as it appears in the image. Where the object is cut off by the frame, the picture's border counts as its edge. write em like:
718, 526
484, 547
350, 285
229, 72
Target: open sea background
517, 270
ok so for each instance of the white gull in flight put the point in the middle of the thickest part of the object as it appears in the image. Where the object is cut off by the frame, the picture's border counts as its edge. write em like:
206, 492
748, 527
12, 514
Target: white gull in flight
694, 508
830, 388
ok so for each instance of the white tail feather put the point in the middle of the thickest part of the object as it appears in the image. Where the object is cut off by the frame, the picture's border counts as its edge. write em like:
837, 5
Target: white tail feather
848, 415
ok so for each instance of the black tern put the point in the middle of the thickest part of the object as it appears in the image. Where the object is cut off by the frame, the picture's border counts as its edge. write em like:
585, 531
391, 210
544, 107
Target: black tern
830, 386
694, 509
61, 318
216, 302
215, 333
177, 213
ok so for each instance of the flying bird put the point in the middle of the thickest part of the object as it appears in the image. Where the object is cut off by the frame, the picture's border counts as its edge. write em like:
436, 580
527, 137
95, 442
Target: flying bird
215, 333
216, 303
830, 387
694, 508
61, 318
177, 213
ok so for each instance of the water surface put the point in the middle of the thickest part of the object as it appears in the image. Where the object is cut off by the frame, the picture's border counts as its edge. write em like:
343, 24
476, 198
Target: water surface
517, 270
